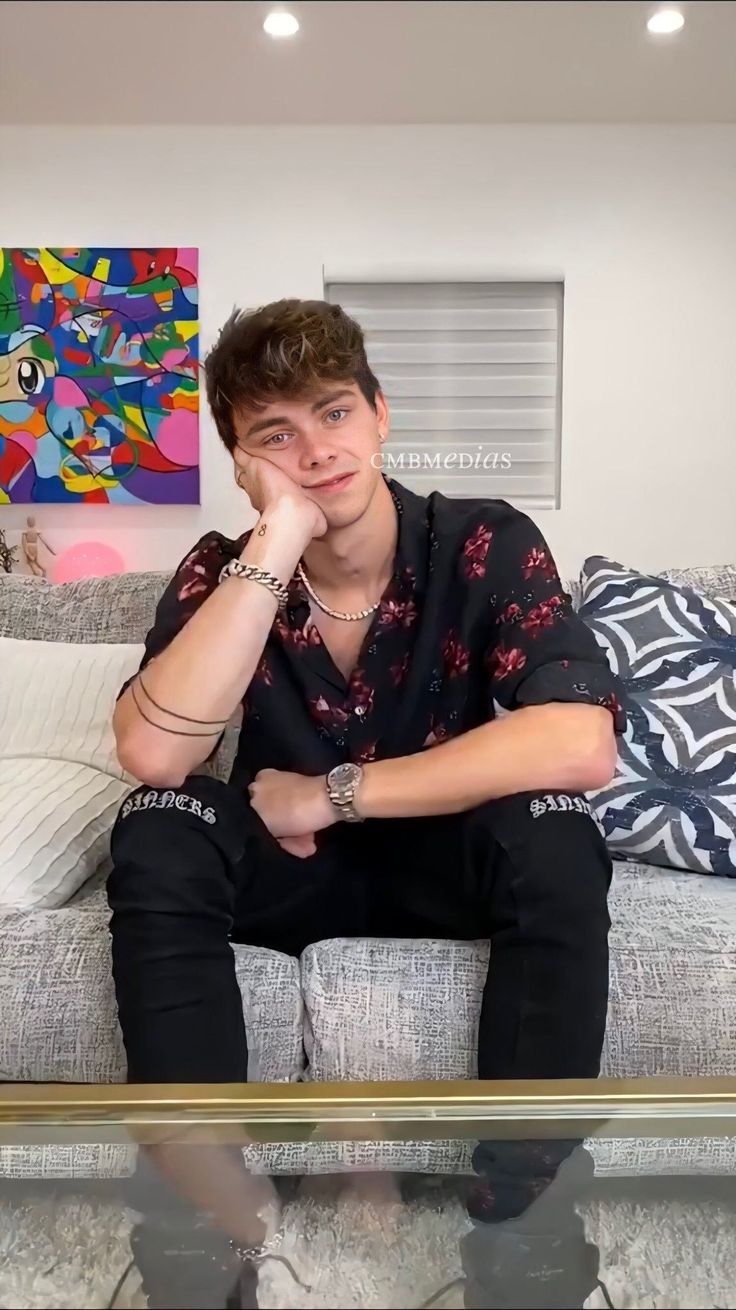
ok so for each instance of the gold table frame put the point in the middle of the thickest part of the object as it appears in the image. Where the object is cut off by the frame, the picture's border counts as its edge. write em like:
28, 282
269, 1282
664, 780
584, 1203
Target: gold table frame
370, 1111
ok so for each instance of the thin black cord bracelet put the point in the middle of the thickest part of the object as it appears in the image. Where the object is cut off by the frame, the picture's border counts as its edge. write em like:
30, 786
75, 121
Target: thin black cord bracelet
119, 1284
174, 715
176, 731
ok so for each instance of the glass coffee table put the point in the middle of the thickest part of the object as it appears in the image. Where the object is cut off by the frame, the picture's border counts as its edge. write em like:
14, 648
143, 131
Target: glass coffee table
367, 1195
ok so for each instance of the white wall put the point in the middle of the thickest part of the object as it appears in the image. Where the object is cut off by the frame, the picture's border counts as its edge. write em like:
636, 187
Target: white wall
640, 221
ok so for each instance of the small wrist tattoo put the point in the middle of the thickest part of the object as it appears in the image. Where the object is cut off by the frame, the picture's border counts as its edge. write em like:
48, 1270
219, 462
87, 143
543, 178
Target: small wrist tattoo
262, 530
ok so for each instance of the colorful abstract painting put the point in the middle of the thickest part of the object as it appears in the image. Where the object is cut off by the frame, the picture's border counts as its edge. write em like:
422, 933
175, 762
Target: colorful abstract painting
99, 387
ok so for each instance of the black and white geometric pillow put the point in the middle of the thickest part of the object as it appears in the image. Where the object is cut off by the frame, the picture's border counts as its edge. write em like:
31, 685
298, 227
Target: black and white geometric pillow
673, 799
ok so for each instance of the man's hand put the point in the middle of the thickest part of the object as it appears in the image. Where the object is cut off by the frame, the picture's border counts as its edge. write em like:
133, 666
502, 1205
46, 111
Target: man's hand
266, 485
293, 807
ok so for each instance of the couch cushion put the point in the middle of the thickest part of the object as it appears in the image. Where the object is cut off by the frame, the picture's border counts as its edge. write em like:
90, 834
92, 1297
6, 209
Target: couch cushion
408, 1009
713, 579
393, 1009
119, 608
672, 1007
58, 1020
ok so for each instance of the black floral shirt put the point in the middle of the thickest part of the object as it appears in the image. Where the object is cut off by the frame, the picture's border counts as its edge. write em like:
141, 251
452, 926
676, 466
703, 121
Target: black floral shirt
473, 618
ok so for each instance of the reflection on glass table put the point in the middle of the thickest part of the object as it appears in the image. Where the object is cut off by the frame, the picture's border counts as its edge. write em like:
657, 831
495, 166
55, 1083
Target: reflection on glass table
369, 1195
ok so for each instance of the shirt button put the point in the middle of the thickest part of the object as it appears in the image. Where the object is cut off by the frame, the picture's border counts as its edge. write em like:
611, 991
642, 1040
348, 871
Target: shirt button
360, 710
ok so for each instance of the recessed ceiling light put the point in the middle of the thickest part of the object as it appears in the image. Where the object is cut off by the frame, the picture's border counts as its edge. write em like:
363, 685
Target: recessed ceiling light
666, 21
281, 23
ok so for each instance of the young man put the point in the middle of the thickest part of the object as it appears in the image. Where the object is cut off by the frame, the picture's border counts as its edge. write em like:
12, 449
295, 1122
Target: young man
369, 634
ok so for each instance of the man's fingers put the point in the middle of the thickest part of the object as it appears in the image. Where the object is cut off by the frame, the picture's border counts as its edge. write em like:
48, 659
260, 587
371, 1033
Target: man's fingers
243, 465
300, 846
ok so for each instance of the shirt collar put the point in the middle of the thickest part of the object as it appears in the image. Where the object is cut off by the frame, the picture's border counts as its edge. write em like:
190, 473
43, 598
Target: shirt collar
411, 563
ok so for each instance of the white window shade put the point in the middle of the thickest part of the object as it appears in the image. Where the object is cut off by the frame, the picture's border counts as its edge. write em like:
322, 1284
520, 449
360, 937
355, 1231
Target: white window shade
472, 373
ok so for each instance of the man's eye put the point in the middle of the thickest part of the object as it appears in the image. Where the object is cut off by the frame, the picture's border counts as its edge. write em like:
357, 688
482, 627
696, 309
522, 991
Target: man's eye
31, 377
339, 412
277, 439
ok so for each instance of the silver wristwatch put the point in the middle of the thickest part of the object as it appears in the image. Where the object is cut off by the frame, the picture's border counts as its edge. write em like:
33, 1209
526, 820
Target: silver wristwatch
342, 783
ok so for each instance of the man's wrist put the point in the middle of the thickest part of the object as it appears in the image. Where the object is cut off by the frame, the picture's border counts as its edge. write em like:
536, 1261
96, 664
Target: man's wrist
293, 518
330, 812
274, 544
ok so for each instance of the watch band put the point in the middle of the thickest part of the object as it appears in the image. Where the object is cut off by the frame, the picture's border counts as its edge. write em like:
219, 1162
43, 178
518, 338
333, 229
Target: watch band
342, 783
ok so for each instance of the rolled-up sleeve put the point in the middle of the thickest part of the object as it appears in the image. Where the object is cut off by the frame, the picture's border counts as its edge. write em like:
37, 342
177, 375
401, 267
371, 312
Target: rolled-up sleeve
540, 650
193, 580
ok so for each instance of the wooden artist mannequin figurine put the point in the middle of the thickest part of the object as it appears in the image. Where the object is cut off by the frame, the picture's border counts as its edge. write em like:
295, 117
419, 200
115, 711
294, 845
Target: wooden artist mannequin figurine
29, 542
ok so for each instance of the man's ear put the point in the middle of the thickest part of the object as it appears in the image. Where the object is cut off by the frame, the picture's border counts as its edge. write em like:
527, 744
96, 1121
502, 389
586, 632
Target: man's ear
383, 414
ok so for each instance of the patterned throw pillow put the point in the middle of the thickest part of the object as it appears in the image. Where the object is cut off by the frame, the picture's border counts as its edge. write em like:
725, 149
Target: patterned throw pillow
673, 799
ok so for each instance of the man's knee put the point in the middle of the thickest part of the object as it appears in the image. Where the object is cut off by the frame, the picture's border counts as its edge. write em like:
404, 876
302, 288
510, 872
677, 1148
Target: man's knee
554, 839
171, 846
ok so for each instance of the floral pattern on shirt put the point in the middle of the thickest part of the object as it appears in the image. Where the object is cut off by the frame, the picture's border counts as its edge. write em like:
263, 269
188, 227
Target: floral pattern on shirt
299, 638
455, 655
324, 712
538, 560
542, 615
475, 551
504, 662
473, 616
397, 613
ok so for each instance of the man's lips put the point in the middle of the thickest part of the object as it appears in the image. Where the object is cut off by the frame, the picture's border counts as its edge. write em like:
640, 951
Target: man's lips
332, 484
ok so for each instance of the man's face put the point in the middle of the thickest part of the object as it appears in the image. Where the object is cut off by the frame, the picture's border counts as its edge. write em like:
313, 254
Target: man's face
330, 438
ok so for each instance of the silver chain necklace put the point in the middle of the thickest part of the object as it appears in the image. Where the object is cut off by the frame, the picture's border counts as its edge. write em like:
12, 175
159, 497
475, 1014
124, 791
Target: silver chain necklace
335, 614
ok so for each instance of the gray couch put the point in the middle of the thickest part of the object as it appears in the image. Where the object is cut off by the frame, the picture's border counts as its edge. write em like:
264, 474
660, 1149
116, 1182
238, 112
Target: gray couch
352, 1009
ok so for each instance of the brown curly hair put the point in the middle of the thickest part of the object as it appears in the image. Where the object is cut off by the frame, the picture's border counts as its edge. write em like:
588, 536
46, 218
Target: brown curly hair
285, 349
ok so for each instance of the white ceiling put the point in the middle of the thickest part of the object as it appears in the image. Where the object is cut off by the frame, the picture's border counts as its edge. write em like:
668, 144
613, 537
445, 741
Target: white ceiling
143, 61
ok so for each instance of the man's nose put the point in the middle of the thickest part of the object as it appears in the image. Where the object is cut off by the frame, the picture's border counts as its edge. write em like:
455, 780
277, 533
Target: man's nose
316, 449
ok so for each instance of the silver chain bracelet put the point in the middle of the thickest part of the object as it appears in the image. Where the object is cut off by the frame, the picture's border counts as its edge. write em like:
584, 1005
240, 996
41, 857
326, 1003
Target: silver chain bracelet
267, 1251
258, 1252
236, 569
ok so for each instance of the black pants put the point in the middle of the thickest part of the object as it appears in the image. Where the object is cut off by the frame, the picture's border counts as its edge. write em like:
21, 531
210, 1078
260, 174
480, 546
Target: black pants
194, 867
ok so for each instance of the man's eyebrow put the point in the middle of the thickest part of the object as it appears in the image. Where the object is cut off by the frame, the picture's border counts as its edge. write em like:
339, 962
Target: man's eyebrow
262, 424
330, 400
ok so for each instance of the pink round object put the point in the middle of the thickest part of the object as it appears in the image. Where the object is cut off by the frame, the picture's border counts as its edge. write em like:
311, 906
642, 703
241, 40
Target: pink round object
86, 559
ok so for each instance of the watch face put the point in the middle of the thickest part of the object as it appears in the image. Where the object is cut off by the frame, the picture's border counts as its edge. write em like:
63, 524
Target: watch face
342, 773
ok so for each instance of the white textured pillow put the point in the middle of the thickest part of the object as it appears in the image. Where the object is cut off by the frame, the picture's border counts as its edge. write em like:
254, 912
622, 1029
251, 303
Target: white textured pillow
61, 783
